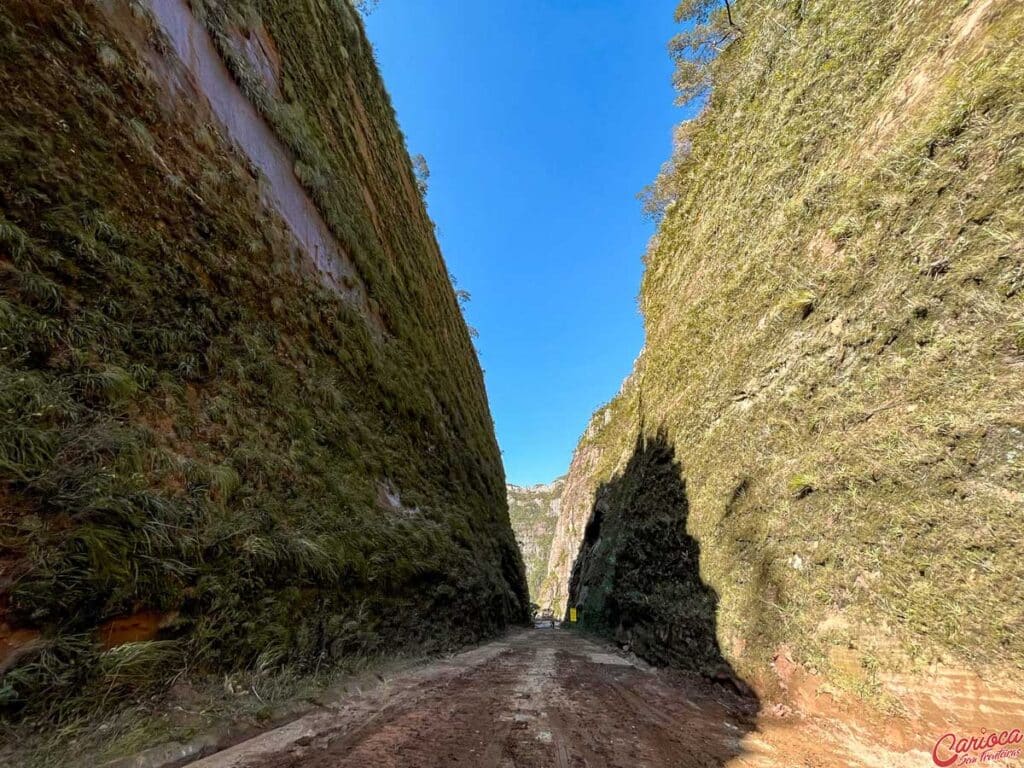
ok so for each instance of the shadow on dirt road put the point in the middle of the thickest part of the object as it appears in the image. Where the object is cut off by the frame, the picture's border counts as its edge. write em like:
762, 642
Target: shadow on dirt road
547, 697
637, 580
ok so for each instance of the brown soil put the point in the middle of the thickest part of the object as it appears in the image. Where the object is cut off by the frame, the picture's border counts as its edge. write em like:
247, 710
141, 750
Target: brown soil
14, 643
141, 626
550, 698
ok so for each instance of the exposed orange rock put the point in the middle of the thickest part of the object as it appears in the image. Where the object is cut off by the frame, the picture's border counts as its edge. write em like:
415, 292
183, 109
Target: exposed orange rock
261, 52
14, 643
141, 626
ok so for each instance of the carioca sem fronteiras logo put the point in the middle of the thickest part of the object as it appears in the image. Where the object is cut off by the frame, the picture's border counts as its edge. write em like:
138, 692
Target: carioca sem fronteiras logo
993, 746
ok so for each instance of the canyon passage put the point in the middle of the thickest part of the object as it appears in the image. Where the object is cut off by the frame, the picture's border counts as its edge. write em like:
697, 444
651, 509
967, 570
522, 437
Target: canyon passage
253, 510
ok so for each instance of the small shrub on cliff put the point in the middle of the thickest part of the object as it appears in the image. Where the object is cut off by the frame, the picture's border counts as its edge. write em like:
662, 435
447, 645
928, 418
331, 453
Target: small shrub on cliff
711, 28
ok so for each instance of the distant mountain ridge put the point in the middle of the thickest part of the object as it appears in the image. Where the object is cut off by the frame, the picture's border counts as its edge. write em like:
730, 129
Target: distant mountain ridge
534, 512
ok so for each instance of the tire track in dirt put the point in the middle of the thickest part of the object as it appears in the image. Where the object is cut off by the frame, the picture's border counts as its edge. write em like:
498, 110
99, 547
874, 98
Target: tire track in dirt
552, 700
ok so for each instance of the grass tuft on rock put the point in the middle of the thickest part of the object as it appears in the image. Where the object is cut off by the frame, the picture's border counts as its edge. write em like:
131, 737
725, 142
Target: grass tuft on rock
193, 430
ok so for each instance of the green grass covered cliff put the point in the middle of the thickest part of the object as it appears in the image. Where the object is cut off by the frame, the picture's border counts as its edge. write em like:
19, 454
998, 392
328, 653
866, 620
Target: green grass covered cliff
210, 459
822, 444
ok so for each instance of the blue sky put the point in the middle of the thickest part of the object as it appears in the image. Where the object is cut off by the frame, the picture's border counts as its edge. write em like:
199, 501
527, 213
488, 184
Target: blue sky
540, 121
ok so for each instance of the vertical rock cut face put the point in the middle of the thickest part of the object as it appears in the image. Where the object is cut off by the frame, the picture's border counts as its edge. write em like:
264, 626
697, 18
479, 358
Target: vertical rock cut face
833, 307
211, 82
225, 327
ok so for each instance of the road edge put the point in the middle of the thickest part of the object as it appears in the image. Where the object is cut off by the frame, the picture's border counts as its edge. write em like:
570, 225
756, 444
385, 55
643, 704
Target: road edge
296, 716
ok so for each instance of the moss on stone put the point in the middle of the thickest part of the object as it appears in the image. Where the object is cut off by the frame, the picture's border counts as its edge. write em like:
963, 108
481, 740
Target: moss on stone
833, 305
191, 425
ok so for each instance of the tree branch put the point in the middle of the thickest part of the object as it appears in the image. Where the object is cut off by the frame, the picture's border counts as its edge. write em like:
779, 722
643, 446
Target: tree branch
728, 14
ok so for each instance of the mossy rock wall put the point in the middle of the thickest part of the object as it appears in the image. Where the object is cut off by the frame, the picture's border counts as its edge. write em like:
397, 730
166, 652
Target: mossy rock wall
209, 460
834, 307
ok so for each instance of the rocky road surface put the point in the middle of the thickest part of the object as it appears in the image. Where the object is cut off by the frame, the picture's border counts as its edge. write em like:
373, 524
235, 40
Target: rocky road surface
550, 698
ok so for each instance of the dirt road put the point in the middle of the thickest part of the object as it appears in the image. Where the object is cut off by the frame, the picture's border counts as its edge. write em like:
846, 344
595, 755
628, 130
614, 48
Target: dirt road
550, 698
542, 698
